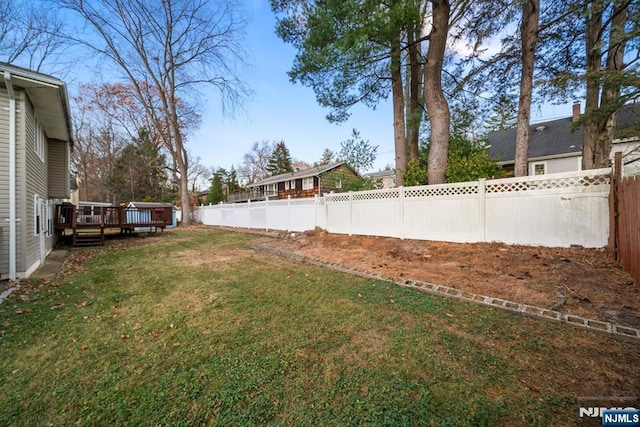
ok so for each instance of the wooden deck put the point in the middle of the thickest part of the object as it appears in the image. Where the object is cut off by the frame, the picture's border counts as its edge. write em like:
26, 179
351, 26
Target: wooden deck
88, 224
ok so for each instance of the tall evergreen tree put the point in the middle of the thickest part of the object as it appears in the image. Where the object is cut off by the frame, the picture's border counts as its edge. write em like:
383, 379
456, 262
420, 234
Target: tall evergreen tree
139, 173
503, 114
529, 37
326, 158
358, 153
231, 181
354, 52
216, 192
280, 161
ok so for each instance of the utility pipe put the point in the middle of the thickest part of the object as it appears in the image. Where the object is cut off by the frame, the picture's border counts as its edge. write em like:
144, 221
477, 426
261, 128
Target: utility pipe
12, 176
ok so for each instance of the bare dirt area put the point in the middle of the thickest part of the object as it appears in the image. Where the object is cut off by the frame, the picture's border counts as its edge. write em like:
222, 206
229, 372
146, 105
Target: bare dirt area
583, 282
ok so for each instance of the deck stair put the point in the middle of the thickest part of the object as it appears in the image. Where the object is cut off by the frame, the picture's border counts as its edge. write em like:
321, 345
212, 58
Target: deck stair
88, 236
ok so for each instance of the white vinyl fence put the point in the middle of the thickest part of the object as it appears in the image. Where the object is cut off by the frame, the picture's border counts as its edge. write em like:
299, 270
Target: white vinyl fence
547, 210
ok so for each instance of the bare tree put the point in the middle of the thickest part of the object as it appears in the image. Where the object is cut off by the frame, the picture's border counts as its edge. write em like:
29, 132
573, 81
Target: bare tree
29, 36
165, 49
99, 139
254, 162
198, 174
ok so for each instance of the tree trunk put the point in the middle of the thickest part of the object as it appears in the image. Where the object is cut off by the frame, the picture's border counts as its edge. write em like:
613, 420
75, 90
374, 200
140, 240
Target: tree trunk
398, 113
437, 106
598, 132
183, 168
413, 111
591, 150
529, 36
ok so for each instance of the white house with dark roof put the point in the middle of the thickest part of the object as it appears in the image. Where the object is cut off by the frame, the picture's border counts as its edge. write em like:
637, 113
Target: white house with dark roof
385, 178
35, 144
554, 147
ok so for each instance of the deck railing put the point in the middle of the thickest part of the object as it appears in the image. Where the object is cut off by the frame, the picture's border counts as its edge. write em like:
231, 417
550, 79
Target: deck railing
254, 196
69, 216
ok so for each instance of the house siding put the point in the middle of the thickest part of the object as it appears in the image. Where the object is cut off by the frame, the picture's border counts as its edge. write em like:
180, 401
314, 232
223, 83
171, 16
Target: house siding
58, 169
4, 182
558, 165
36, 184
630, 154
298, 192
330, 179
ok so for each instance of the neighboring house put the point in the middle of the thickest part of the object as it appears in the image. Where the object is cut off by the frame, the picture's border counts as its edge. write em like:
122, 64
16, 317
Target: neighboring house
35, 145
554, 147
202, 197
384, 179
304, 183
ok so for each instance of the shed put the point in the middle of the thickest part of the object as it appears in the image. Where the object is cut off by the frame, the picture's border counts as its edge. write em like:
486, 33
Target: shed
150, 213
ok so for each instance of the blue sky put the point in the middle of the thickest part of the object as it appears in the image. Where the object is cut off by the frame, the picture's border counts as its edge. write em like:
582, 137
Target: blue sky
279, 110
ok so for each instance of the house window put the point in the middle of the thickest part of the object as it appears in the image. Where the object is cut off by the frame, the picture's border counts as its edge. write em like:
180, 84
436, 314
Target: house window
539, 168
307, 183
40, 138
38, 219
293, 184
338, 183
286, 185
272, 189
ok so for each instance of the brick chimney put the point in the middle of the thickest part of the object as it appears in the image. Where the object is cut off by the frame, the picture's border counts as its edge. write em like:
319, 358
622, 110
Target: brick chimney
576, 111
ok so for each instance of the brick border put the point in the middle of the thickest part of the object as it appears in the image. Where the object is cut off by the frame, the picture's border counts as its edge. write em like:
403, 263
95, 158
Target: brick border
617, 331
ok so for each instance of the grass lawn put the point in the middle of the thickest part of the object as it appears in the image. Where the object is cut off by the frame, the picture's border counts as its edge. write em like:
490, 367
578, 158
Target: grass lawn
193, 328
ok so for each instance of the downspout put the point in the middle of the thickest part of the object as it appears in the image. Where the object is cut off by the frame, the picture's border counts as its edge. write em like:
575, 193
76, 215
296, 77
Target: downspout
12, 176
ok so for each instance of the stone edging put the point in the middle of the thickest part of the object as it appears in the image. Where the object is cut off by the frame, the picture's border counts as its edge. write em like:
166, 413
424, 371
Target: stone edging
617, 331
8, 292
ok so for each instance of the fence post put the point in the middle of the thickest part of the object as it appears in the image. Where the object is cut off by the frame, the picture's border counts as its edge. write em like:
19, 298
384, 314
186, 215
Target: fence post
289, 210
402, 218
266, 212
250, 224
315, 211
482, 200
350, 213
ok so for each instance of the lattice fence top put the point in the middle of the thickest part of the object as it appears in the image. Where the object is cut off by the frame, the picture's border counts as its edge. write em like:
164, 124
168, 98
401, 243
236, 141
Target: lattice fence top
542, 183
338, 197
598, 179
440, 190
392, 193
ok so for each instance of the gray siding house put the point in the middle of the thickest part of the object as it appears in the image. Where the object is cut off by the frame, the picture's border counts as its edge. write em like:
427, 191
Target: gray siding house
555, 147
35, 144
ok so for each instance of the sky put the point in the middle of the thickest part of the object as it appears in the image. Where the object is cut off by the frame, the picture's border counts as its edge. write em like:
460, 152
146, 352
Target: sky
280, 110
